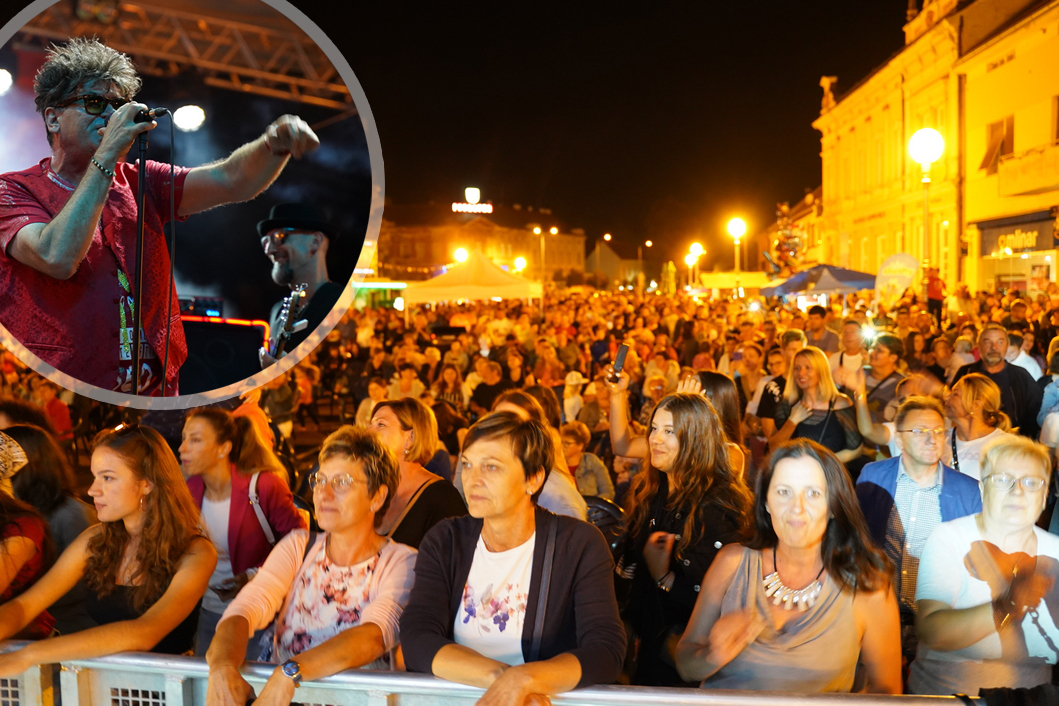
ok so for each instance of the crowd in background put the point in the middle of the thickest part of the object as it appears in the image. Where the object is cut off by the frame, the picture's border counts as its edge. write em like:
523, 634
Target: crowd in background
850, 497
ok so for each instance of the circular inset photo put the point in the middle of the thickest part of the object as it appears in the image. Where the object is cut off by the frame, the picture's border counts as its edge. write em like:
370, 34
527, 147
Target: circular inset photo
188, 194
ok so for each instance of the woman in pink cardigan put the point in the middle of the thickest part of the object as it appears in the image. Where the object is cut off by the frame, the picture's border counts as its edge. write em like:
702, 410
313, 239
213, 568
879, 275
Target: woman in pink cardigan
226, 464
334, 599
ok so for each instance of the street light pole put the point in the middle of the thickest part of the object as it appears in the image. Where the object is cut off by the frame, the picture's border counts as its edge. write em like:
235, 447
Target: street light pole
926, 147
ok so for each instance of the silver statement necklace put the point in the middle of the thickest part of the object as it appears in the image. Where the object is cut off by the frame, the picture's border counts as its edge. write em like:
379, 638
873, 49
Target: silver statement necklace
804, 598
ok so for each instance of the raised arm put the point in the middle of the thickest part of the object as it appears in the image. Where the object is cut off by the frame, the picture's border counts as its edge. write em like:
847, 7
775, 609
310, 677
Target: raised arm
57, 247
621, 438
138, 635
250, 169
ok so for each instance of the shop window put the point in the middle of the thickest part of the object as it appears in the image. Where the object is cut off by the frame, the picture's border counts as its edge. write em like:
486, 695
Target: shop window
1000, 142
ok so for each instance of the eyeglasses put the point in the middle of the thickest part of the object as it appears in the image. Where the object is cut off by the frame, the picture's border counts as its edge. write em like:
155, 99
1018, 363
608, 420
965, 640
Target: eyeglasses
1002, 481
94, 103
340, 482
924, 433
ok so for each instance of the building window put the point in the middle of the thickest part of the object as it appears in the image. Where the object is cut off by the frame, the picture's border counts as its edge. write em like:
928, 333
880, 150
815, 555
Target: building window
1000, 141
1055, 119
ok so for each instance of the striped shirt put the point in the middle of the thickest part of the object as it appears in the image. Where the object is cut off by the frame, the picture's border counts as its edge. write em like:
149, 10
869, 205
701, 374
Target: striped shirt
916, 512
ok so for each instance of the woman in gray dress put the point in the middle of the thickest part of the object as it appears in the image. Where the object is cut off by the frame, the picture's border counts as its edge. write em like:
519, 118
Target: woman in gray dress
806, 599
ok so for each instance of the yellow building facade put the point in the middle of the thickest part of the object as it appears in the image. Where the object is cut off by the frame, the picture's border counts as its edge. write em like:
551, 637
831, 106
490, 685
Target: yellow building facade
1010, 154
971, 72
872, 190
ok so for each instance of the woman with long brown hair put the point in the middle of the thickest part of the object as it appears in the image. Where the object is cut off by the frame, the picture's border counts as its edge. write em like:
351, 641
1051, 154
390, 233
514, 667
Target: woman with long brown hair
687, 502
145, 566
238, 484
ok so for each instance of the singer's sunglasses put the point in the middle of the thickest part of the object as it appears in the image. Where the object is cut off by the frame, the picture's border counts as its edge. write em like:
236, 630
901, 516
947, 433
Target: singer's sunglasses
94, 103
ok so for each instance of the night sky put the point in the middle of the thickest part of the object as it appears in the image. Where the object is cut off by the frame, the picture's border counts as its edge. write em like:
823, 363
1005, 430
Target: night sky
657, 121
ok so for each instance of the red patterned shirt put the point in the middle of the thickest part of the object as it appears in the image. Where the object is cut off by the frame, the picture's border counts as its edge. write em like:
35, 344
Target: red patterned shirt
82, 326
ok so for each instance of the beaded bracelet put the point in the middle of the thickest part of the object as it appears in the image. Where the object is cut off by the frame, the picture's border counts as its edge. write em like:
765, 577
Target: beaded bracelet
661, 583
103, 169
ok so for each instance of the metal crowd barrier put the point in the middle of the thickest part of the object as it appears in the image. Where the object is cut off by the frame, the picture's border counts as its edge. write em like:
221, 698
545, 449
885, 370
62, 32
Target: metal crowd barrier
143, 679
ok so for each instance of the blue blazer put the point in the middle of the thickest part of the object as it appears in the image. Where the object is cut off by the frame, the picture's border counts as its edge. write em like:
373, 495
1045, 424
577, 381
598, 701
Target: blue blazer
877, 485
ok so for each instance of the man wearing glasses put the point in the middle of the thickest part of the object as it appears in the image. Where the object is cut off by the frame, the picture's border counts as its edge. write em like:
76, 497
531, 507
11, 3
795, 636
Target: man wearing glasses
905, 497
295, 237
68, 224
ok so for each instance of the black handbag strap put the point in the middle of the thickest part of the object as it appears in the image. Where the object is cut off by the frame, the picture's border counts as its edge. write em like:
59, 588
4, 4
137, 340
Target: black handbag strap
542, 598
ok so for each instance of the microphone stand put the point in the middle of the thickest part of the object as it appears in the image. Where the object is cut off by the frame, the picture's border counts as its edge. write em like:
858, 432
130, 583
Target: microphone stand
138, 303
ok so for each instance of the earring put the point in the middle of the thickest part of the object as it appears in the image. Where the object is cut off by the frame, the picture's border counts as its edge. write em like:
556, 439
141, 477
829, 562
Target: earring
141, 502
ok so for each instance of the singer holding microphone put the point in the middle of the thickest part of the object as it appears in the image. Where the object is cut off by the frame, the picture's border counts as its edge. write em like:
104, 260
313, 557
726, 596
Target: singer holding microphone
68, 224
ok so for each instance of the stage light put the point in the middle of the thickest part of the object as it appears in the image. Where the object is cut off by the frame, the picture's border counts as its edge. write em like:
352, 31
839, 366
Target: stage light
6, 81
189, 118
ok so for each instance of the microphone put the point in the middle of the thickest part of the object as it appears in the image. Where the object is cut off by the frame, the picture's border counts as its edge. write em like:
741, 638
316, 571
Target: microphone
146, 116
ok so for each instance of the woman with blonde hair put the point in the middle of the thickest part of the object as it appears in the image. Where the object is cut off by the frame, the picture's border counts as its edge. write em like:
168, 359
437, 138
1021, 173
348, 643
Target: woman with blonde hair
973, 407
239, 486
813, 408
145, 566
408, 428
986, 600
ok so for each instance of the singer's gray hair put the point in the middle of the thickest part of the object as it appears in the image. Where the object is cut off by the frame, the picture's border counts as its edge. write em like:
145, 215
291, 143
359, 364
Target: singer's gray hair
71, 66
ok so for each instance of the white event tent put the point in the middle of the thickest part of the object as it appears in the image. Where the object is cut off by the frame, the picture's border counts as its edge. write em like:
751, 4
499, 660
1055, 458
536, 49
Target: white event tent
478, 278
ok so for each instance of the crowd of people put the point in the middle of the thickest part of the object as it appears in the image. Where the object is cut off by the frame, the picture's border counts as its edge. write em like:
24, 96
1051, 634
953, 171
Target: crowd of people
846, 499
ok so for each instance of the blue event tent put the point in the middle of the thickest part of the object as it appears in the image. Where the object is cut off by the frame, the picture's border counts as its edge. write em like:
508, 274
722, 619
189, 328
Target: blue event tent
822, 279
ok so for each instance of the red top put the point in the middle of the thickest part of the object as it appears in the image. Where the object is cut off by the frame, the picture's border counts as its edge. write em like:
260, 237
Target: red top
59, 416
32, 528
73, 325
935, 287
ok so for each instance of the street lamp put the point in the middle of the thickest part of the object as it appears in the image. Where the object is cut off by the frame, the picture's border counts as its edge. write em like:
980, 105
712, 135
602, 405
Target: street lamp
639, 253
926, 147
460, 254
736, 229
537, 231
690, 259
520, 264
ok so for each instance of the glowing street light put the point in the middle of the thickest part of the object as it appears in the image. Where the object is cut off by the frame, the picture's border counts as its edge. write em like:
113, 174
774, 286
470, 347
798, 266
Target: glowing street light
690, 259
639, 254
606, 236
537, 230
554, 231
472, 194
649, 243
736, 229
189, 118
6, 81
520, 264
926, 147
696, 249
460, 254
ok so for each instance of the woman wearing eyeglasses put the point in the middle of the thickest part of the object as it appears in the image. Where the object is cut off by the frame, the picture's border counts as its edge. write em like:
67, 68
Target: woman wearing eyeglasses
145, 565
337, 597
986, 598
230, 469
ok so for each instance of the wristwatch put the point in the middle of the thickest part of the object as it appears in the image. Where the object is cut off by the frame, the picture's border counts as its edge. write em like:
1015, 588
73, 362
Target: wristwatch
293, 670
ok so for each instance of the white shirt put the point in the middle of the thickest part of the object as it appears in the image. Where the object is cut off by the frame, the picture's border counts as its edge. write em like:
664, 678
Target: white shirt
492, 612
215, 517
1028, 364
969, 452
847, 361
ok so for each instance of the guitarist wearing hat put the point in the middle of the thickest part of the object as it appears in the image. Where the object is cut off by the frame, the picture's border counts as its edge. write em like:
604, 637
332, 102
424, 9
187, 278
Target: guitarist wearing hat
295, 238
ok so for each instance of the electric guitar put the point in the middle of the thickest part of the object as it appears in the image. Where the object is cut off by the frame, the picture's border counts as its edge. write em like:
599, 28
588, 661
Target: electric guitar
286, 326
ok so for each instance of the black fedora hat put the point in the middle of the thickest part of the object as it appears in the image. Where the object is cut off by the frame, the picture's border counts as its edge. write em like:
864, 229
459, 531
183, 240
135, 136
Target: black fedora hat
297, 215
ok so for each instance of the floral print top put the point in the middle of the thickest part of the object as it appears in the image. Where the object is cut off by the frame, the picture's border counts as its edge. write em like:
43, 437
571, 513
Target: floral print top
493, 610
315, 600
